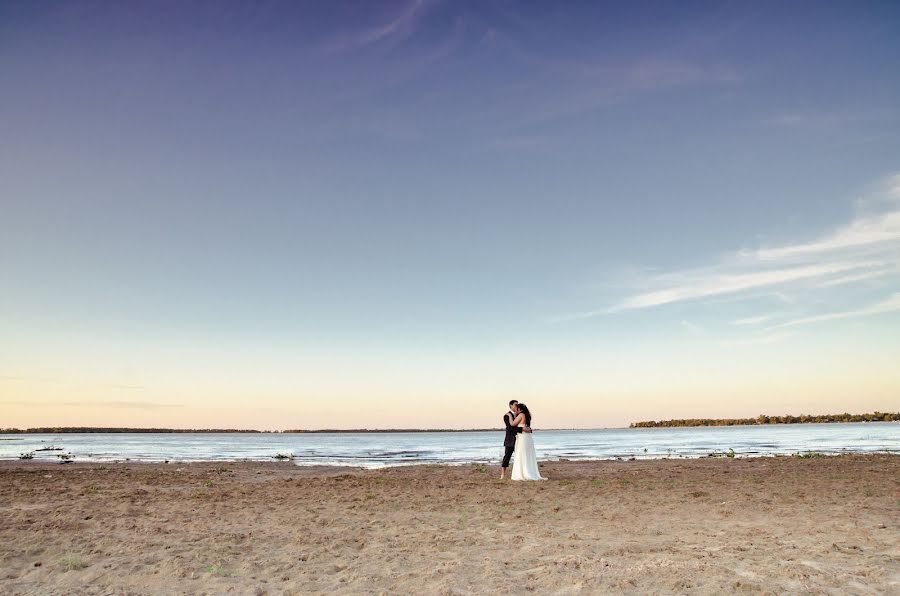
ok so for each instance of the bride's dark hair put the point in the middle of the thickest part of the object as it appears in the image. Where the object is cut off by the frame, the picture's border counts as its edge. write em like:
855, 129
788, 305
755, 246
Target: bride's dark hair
523, 409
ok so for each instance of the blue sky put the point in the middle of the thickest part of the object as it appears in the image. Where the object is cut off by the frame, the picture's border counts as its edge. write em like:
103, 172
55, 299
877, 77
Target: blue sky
349, 214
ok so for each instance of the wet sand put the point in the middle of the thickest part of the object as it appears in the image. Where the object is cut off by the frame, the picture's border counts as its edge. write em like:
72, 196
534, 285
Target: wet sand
796, 525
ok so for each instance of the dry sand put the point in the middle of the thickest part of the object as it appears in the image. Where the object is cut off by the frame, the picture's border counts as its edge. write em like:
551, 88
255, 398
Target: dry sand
785, 525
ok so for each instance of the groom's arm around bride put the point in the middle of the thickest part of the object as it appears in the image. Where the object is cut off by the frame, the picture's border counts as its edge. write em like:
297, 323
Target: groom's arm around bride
509, 442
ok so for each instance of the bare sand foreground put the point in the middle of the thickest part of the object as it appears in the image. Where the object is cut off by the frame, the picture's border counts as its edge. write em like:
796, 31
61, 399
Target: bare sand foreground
818, 525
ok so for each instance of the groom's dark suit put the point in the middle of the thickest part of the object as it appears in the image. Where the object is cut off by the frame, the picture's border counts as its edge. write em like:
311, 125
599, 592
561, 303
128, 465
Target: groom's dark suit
510, 441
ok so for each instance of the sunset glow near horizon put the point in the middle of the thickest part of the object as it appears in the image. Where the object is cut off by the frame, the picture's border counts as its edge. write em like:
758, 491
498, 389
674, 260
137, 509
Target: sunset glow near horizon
404, 214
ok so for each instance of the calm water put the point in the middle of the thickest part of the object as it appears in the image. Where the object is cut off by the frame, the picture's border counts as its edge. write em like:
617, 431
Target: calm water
374, 450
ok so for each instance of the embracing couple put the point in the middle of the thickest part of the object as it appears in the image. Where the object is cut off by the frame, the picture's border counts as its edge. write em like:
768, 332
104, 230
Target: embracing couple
519, 444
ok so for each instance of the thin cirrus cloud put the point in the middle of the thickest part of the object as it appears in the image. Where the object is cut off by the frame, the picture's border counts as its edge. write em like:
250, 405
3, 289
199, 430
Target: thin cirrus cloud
854, 278
866, 232
867, 248
830, 119
694, 286
562, 89
752, 320
891, 304
398, 27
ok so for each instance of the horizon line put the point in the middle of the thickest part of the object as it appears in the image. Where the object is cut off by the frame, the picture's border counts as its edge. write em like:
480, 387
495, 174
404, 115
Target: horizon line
122, 429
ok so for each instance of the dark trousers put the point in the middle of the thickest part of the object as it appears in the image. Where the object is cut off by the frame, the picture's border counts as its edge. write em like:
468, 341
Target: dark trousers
507, 455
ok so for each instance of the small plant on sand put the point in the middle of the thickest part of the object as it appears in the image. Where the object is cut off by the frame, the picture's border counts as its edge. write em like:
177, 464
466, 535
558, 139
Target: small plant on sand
73, 562
208, 483
480, 468
217, 569
597, 482
623, 482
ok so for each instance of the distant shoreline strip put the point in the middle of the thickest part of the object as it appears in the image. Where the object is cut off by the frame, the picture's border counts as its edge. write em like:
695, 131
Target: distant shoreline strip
687, 422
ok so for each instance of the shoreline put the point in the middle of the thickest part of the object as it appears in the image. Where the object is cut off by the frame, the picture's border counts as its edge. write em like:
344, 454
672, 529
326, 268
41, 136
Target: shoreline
572, 464
707, 525
563, 462
450, 464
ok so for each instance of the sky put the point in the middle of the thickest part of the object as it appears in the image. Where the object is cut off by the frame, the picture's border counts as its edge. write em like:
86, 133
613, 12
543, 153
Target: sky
282, 215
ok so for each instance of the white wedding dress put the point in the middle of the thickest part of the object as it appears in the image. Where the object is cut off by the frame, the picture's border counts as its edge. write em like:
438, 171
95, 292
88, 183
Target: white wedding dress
524, 464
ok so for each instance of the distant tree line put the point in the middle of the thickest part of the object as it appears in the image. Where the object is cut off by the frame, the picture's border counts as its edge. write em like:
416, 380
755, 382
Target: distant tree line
764, 419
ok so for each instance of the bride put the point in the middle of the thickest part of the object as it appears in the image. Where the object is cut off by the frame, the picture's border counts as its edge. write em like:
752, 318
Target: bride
524, 465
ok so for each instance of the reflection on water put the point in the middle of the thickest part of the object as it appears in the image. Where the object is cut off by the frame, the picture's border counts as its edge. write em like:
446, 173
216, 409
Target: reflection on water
385, 449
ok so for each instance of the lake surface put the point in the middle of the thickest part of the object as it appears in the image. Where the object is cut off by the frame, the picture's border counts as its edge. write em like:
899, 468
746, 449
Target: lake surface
373, 450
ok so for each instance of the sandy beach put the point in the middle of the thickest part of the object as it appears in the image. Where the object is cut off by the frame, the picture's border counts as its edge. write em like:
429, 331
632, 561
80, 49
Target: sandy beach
787, 524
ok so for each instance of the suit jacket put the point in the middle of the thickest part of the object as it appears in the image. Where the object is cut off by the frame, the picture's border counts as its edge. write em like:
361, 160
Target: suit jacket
511, 431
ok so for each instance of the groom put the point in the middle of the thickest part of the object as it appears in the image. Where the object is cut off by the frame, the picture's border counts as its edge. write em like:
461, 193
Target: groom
509, 442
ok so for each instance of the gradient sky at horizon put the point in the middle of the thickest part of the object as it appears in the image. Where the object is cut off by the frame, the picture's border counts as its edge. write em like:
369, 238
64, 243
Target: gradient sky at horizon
404, 214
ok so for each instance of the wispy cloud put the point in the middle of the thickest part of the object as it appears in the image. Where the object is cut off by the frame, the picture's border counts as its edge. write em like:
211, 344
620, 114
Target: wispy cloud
866, 248
862, 232
563, 89
854, 278
703, 284
396, 28
752, 320
830, 119
525, 87
885, 306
